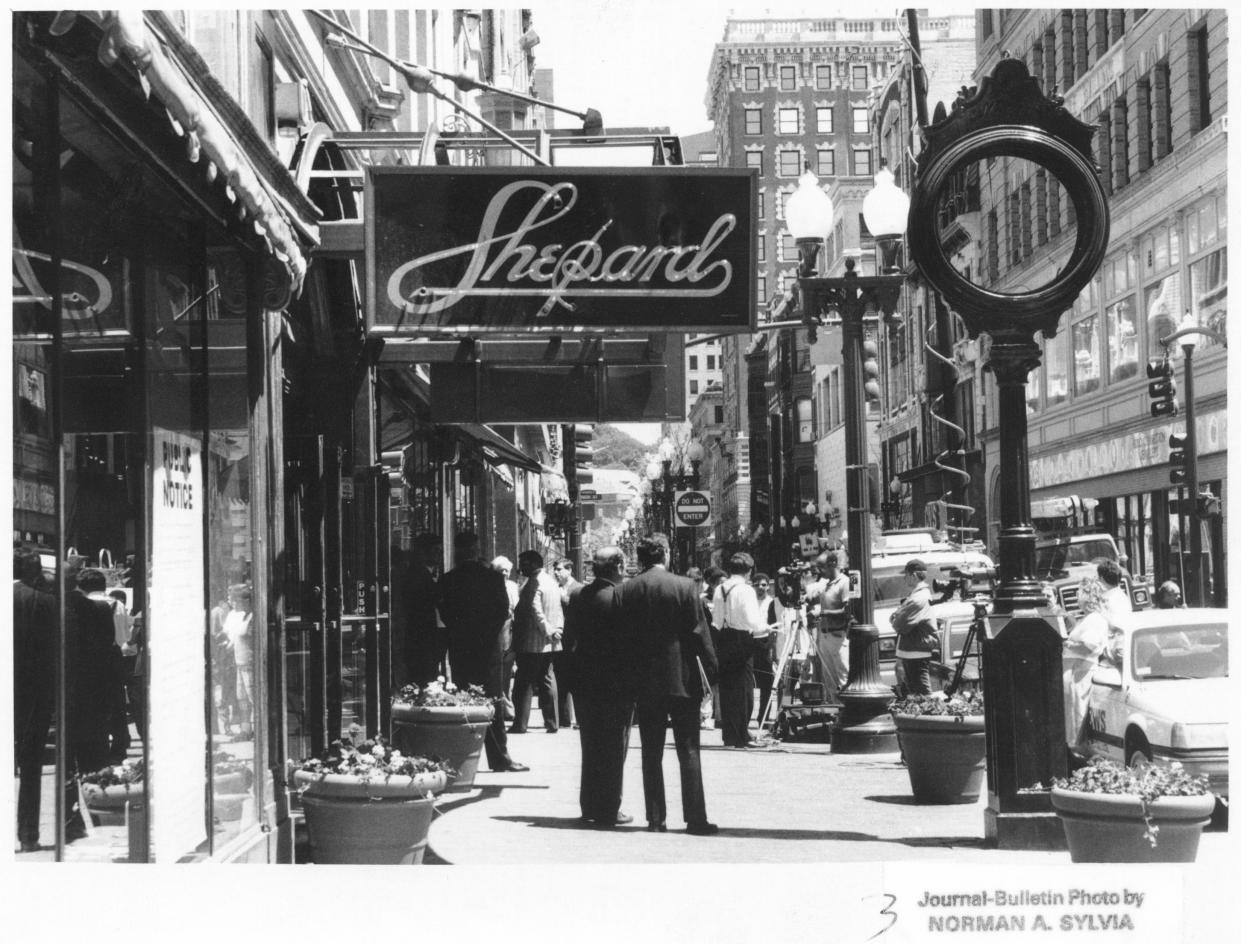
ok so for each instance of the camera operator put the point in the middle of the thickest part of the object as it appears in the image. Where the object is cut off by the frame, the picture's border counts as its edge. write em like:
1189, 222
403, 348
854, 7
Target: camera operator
832, 626
915, 630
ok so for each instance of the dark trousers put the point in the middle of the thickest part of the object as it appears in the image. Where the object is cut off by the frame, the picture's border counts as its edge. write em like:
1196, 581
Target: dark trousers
425, 649
764, 671
736, 686
30, 726
485, 669
653, 717
604, 723
564, 701
534, 669
917, 676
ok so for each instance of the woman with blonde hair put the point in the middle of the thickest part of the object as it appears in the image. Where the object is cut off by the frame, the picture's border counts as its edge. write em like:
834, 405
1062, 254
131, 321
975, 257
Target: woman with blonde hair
1089, 641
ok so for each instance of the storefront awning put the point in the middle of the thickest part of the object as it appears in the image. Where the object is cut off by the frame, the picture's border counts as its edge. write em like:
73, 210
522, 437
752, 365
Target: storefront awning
499, 450
212, 124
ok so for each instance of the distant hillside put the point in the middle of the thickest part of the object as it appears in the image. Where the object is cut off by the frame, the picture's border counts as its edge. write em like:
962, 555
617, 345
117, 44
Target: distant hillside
616, 449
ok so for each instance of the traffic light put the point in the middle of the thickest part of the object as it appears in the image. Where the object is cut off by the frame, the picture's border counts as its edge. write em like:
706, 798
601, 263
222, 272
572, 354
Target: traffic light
1162, 388
870, 370
583, 454
393, 466
1178, 443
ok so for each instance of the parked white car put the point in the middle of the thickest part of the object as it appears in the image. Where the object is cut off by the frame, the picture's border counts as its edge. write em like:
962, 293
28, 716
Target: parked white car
1169, 699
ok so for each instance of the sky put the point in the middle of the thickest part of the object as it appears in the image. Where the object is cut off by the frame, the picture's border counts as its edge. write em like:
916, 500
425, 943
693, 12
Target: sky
640, 63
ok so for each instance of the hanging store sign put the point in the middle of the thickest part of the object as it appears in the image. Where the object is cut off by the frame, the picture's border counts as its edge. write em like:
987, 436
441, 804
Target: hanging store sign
455, 250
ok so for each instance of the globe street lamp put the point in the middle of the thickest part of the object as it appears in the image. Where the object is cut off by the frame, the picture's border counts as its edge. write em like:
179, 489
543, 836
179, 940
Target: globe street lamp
664, 484
864, 725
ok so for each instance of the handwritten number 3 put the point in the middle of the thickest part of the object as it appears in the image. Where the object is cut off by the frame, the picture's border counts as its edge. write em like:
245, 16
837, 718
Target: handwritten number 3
891, 900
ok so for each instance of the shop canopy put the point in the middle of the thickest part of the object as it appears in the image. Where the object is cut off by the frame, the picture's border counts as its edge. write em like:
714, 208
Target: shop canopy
214, 126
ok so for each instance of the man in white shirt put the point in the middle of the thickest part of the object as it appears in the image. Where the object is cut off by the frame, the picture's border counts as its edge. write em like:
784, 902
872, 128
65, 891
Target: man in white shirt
1115, 600
915, 630
832, 636
735, 611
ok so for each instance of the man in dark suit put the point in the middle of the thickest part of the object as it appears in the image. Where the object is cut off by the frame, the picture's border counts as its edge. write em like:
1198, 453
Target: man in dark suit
474, 606
601, 679
34, 686
663, 619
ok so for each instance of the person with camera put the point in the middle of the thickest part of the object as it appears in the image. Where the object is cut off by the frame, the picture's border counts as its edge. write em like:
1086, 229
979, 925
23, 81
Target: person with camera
832, 640
915, 630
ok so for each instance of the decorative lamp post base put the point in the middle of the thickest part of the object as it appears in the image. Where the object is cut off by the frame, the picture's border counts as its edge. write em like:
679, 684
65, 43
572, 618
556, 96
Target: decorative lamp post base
1040, 830
864, 726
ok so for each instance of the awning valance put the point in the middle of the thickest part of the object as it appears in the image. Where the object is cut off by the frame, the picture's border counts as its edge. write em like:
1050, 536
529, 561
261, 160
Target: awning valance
497, 449
211, 123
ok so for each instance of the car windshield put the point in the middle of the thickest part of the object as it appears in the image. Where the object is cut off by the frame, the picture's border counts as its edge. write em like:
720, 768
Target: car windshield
1181, 652
1060, 556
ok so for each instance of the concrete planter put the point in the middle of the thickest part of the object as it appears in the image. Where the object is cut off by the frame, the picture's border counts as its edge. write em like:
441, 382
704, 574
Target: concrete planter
107, 804
378, 822
1101, 827
946, 756
453, 734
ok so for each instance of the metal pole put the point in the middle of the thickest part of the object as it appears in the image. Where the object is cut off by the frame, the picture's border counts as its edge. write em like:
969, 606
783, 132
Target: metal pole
1195, 592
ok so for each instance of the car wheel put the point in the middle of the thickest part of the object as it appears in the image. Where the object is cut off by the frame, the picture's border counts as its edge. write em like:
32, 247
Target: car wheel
1137, 753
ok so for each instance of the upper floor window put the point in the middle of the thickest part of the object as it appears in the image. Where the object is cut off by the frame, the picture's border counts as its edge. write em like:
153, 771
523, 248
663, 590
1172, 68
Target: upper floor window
824, 123
805, 420
753, 121
861, 121
710, 362
754, 159
788, 78
790, 164
693, 362
788, 120
788, 247
751, 79
693, 388
861, 78
827, 162
861, 162
822, 77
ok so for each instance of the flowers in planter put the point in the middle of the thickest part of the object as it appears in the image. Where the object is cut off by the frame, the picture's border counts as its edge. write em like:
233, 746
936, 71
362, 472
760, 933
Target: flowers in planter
959, 705
442, 694
1147, 784
130, 774
371, 760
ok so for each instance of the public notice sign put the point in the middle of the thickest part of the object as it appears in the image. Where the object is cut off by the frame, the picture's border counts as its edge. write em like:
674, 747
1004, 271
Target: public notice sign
509, 250
692, 508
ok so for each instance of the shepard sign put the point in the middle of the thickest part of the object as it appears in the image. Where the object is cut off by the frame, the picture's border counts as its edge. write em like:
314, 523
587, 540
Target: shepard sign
509, 250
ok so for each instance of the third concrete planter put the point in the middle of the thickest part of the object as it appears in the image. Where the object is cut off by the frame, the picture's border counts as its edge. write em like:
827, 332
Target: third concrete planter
945, 755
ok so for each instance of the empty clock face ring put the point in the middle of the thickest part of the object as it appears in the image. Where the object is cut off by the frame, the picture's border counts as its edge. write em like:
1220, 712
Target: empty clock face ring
1022, 174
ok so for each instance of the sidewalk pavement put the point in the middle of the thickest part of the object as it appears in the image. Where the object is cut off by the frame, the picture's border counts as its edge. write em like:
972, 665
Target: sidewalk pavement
790, 803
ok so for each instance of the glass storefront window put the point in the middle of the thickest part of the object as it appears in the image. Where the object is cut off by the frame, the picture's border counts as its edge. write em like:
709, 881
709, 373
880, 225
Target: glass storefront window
1034, 384
1208, 295
1085, 345
1123, 339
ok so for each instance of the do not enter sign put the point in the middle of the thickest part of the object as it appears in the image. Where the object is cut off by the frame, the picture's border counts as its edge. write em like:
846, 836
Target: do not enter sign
692, 508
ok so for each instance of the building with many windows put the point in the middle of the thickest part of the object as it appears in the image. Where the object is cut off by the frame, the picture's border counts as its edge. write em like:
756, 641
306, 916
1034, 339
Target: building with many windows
1154, 82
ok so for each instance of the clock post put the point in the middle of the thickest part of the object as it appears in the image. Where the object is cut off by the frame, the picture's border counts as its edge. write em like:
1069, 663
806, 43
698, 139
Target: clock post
1008, 119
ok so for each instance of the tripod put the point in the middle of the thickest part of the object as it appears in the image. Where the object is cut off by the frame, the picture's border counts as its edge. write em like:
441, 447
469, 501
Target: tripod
790, 651
973, 639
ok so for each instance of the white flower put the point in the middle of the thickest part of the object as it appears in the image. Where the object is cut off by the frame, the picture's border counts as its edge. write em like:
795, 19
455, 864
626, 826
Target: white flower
366, 760
378, 750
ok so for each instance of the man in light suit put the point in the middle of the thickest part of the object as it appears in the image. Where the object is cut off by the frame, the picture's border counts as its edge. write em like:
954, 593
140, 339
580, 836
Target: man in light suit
538, 625
662, 615
598, 669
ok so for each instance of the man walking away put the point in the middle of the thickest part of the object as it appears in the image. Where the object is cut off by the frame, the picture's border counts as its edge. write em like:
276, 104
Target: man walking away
602, 679
34, 686
735, 611
562, 571
474, 606
538, 624
665, 624
915, 630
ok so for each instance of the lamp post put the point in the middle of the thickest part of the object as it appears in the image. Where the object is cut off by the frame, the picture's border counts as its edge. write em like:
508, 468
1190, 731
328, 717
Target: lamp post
864, 725
664, 482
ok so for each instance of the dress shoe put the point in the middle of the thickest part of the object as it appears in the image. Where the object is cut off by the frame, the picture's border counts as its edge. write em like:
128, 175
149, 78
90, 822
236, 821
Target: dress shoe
656, 827
620, 819
702, 829
551, 729
511, 768
516, 730
28, 846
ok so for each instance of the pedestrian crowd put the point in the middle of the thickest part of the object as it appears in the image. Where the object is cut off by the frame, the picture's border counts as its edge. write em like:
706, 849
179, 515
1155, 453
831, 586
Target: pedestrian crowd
656, 650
